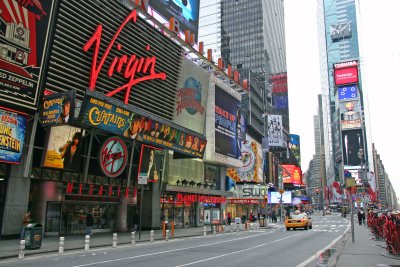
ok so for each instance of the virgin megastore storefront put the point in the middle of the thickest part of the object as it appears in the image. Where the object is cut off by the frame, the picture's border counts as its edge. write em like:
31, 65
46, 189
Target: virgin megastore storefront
123, 129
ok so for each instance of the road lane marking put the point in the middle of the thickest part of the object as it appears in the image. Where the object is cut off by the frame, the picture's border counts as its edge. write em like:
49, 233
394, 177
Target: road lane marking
168, 251
310, 259
235, 252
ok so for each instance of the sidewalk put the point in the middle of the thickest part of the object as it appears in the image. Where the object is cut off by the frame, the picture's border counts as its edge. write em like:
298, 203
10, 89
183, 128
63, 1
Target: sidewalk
10, 248
365, 251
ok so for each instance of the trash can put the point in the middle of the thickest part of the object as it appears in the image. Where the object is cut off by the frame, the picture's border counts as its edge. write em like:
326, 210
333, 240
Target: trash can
262, 222
33, 236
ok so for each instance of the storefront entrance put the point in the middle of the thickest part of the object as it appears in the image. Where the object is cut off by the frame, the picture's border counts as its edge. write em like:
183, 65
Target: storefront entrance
73, 217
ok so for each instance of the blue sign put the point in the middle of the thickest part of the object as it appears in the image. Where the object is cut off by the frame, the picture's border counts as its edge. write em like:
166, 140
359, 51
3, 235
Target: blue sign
281, 102
347, 92
12, 135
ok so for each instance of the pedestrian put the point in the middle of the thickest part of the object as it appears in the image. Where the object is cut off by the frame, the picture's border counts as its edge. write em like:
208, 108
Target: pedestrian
89, 223
229, 219
25, 221
363, 216
273, 216
135, 221
360, 216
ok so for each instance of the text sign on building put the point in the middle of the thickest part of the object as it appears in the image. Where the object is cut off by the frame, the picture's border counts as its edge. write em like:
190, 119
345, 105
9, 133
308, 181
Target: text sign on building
346, 73
12, 135
24, 29
100, 190
113, 156
134, 69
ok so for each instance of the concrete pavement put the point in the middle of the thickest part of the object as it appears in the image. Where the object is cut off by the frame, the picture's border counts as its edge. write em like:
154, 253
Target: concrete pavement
365, 251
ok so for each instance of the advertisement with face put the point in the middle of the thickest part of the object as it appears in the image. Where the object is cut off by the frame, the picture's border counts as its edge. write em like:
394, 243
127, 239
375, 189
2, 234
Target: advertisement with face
226, 124
191, 98
12, 135
352, 142
350, 114
57, 109
24, 27
151, 161
186, 12
64, 148
274, 131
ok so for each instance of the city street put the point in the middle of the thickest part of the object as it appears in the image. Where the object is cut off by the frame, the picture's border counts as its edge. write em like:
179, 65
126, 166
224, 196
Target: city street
274, 246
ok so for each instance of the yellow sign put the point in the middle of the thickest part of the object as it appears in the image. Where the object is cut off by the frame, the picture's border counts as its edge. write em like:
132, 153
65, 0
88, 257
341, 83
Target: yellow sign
281, 191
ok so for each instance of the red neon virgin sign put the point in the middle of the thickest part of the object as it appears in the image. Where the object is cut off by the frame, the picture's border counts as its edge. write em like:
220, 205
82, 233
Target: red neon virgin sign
127, 65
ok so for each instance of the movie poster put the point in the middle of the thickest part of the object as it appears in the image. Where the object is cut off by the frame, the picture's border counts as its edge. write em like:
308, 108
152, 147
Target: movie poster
57, 109
151, 162
64, 148
24, 27
12, 135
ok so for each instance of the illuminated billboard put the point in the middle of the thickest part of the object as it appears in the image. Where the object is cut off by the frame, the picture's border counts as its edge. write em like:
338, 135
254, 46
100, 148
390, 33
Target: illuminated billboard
275, 197
346, 73
294, 145
350, 114
346, 93
352, 142
291, 174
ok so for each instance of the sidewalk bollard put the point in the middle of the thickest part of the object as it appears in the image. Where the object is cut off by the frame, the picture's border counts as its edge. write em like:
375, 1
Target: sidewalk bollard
166, 235
231, 227
87, 242
237, 228
214, 230
205, 231
61, 246
115, 239
133, 236
21, 253
152, 236
223, 229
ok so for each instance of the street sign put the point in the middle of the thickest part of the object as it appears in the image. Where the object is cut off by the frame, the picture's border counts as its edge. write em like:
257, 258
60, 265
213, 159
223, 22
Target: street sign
142, 179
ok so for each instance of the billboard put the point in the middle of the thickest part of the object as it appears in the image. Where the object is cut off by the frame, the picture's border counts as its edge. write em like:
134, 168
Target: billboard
150, 164
352, 141
350, 114
291, 174
346, 93
191, 98
24, 27
103, 113
227, 128
252, 163
63, 149
186, 12
57, 109
346, 73
294, 145
274, 131
275, 197
12, 135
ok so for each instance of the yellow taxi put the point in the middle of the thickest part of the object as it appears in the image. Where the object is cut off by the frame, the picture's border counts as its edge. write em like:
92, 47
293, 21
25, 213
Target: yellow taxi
298, 220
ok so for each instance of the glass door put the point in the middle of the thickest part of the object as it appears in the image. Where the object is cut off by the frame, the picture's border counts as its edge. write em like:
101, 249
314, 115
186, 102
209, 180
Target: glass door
53, 215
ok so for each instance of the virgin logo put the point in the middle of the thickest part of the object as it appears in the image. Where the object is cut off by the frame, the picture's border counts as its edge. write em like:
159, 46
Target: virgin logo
113, 156
129, 66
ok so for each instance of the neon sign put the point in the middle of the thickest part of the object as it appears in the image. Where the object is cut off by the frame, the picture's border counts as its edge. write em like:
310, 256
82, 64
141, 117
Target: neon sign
129, 66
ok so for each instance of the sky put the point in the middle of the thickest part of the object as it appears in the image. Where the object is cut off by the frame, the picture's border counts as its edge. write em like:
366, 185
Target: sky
380, 70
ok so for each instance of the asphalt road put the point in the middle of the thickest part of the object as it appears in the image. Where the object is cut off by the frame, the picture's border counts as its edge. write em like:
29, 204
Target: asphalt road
269, 247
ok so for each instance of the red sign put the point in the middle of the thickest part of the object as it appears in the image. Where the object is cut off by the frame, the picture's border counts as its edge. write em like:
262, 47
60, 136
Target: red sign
192, 198
292, 175
113, 156
131, 67
346, 76
100, 190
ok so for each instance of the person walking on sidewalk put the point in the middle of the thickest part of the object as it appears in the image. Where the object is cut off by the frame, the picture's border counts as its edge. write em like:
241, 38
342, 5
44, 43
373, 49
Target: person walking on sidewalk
25, 221
360, 216
89, 223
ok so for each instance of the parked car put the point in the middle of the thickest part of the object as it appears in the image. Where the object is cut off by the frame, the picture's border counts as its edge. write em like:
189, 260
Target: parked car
299, 220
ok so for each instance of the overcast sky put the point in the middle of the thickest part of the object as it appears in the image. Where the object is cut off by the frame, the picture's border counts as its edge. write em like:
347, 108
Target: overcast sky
380, 64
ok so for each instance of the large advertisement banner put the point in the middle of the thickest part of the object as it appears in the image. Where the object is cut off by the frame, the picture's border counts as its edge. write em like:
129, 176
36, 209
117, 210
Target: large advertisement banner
186, 12
57, 109
252, 163
109, 116
346, 73
151, 162
227, 131
12, 135
191, 98
24, 27
294, 145
291, 174
350, 114
352, 142
275, 197
275, 127
64, 148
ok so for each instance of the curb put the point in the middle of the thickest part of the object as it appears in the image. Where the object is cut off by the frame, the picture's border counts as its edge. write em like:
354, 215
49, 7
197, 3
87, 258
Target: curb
388, 255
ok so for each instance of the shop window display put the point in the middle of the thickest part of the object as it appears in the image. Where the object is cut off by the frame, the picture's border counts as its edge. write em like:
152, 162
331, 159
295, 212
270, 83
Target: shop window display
74, 217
